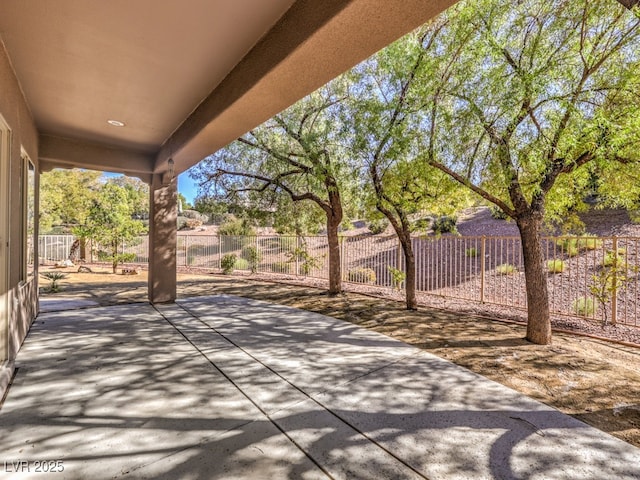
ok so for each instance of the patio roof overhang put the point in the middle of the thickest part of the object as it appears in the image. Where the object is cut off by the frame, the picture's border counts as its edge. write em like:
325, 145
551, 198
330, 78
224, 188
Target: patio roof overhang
185, 78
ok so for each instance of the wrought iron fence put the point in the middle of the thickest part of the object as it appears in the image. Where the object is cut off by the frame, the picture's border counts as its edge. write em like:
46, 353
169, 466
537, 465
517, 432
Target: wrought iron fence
592, 277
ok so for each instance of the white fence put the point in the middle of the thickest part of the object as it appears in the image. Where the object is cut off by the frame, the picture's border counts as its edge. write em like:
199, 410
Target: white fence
476, 269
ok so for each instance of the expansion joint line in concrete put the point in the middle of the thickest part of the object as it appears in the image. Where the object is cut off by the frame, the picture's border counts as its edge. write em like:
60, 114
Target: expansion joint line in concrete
247, 396
313, 399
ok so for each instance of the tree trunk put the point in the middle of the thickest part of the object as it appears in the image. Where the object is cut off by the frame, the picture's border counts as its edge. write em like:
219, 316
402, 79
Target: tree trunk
335, 271
410, 270
539, 321
83, 249
73, 251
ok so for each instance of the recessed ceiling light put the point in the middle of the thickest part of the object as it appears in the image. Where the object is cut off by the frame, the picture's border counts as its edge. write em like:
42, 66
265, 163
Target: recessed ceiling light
115, 123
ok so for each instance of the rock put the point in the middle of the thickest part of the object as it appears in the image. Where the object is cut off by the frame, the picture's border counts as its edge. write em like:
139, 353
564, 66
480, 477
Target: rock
64, 264
130, 271
83, 269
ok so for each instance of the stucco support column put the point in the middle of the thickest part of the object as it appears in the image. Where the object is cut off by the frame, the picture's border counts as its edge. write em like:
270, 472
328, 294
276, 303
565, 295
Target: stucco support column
163, 234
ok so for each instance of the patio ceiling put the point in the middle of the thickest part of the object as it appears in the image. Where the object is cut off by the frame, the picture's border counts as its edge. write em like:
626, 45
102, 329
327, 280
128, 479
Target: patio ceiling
186, 77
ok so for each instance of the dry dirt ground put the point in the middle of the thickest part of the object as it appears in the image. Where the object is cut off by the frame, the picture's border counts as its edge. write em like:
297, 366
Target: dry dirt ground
593, 380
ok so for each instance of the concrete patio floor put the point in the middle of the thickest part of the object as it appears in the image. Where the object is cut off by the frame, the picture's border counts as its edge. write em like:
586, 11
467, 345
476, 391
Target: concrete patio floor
226, 387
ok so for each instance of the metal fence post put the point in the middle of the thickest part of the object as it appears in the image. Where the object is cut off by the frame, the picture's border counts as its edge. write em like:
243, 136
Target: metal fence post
483, 247
614, 283
219, 251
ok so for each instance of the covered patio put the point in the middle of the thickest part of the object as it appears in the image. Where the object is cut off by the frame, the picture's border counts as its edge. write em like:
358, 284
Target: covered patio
227, 387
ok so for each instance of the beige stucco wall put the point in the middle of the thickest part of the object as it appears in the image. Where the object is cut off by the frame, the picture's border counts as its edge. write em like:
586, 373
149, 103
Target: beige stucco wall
22, 306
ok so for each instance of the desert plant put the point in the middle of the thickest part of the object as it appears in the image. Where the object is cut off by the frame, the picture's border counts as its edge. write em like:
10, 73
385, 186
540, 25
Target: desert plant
54, 277
614, 275
252, 255
378, 225
362, 275
612, 259
555, 266
497, 213
444, 224
589, 242
471, 252
397, 277
569, 246
241, 264
228, 263
307, 261
235, 227
422, 224
506, 269
584, 306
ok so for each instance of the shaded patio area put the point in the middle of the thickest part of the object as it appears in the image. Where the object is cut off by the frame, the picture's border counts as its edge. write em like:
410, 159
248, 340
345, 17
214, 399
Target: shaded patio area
228, 387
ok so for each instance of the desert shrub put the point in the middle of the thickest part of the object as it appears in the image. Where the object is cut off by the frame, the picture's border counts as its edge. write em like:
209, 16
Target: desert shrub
589, 242
634, 216
54, 277
397, 277
471, 252
241, 264
362, 275
584, 306
569, 246
378, 226
422, 224
228, 263
497, 213
506, 269
282, 267
611, 259
555, 266
444, 224
236, 227
252, 255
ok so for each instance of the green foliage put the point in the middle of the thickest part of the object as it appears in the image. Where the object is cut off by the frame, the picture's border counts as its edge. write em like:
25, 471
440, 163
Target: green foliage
308, 262
252, 255
66, 197
584, 306
444, 224
555, 266
228, 263
236, 227
137, 195
421, 225
471, 252
362, 275
110, 222
378, 225
613, 259
589, 242
506, 269
613, 276
397, 277
241, 264
569, 246
497, 213
54, 277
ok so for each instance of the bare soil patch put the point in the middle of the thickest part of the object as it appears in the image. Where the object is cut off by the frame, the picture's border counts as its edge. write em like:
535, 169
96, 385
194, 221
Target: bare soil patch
595, 381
